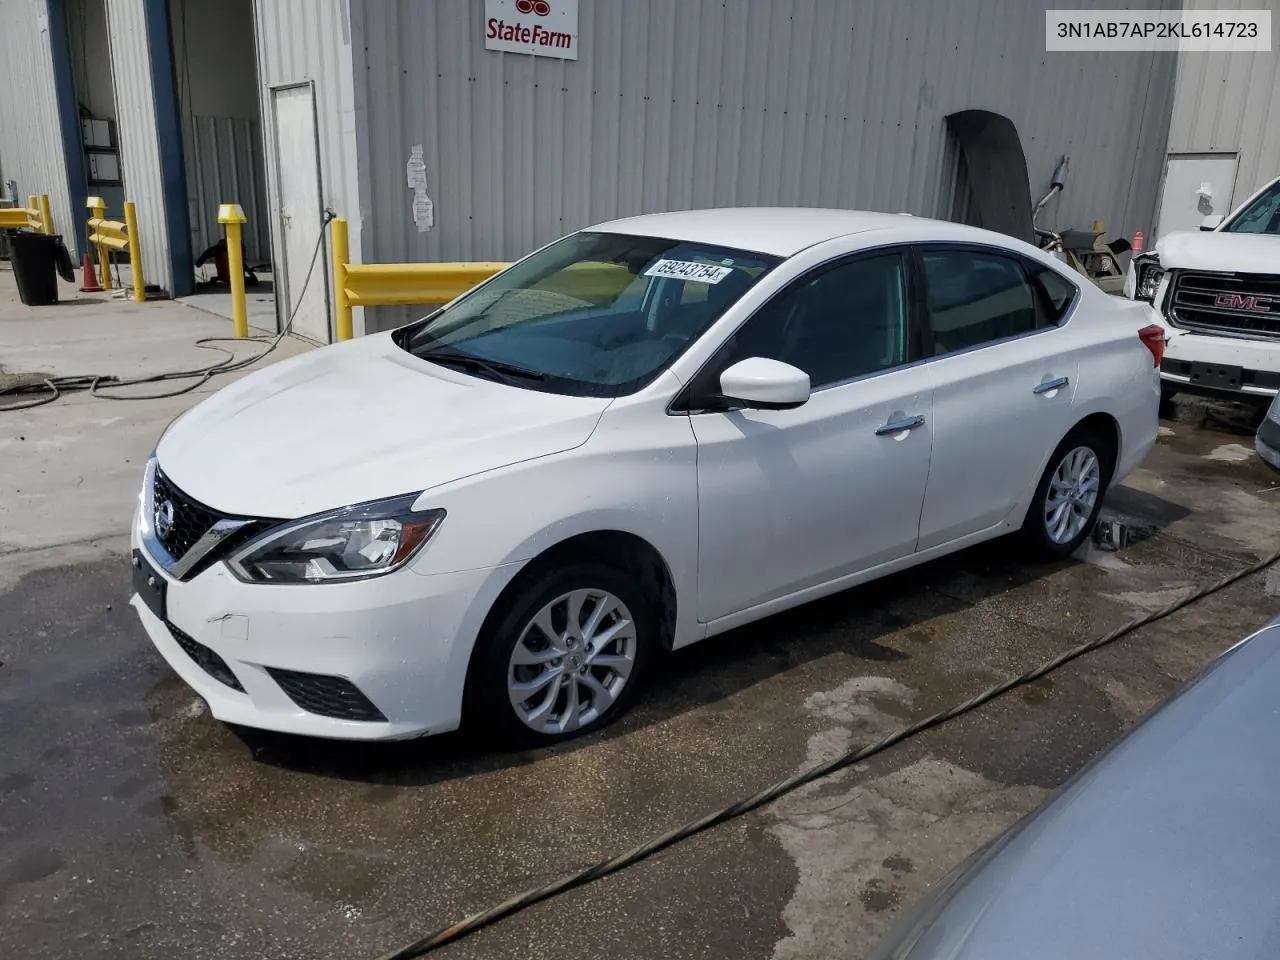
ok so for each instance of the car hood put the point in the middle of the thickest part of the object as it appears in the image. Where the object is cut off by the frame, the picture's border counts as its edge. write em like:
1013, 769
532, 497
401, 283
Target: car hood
359, 421
1166, 846
1220, 252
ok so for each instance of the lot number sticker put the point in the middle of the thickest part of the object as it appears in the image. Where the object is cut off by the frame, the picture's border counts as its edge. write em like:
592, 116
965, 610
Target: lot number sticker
688, 270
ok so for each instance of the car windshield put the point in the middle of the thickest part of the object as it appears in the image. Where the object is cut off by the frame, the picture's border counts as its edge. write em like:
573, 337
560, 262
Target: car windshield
1261, 216
594, 314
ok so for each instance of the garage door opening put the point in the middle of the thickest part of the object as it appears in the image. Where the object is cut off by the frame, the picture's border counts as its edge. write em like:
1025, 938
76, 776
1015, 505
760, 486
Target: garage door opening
90, 56
216, 70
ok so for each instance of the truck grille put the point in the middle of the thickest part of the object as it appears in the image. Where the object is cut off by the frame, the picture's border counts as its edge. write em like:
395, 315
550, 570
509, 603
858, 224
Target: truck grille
1243, 304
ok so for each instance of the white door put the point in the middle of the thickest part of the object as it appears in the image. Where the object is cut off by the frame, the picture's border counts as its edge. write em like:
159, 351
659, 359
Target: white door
293, 116
790, 499
1196, 185
1003, 378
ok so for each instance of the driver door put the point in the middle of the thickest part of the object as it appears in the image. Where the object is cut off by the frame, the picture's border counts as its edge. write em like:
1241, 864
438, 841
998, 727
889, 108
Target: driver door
794, 499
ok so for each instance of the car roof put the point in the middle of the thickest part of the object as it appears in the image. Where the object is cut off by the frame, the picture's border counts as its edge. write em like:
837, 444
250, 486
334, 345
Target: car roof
1167, 846
785, 231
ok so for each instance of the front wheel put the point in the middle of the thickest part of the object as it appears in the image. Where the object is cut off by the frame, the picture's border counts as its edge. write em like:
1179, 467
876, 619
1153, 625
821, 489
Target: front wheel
1068, 498
565, 655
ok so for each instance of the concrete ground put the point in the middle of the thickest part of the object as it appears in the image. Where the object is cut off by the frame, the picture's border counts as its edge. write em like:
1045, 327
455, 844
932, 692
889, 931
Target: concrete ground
260, 302
69, 470
133, 825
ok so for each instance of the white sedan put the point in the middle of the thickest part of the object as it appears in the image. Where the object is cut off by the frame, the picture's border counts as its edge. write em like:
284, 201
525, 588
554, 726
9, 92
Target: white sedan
641, 435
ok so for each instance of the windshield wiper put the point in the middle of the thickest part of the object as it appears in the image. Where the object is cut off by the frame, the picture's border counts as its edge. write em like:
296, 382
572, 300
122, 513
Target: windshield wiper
508, 372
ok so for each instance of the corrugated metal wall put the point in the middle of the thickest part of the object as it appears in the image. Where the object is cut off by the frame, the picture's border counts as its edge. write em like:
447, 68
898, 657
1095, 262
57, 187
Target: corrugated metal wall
1231, 103
30, 143
312, 40
690, 103
136, 128
221, 156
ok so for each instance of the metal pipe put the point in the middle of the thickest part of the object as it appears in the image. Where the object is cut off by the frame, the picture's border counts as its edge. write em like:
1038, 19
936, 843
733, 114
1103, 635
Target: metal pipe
135, 252
231, 216
98, 211
341, 257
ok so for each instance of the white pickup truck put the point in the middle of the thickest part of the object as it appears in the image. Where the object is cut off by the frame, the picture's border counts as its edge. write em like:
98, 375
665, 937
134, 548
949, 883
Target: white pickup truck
1217, 293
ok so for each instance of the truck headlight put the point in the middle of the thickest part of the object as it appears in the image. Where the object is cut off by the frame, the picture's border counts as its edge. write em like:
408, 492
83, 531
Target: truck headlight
1147, 281
353, 543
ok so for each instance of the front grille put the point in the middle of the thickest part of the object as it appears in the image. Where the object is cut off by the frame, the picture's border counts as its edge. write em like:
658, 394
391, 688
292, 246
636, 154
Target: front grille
1247, 304
206, 659
326, 696
192, 520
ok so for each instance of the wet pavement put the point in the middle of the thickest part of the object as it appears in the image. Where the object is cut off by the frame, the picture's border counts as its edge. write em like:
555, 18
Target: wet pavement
134, 825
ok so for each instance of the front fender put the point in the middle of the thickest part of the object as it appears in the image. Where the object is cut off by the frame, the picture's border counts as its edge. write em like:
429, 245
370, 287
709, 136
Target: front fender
636, 475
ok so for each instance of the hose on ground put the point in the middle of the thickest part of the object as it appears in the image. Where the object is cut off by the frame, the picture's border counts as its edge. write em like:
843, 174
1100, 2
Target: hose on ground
53, 388
604, 868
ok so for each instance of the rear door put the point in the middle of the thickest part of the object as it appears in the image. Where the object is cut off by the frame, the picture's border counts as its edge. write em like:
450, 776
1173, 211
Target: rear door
1004, 373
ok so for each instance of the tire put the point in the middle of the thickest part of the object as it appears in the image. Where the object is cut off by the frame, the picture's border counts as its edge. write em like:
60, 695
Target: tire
545, 598
1043, 540
1167, 393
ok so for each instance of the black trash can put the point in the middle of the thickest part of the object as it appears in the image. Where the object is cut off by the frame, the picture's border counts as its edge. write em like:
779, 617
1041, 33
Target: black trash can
34, 257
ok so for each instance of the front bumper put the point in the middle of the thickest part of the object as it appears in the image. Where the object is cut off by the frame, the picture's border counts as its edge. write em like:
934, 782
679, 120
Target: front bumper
1258, 360
403, 641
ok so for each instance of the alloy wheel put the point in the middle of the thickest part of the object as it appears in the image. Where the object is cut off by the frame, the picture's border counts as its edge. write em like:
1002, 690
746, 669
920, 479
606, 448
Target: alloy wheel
1072, 495
572, 661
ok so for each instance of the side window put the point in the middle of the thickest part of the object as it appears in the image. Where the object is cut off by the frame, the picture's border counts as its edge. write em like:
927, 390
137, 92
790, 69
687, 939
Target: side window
846, 321
1059, 292
974, 297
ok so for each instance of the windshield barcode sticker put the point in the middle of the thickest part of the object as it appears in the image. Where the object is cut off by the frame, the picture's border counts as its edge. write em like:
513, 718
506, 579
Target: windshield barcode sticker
688, 270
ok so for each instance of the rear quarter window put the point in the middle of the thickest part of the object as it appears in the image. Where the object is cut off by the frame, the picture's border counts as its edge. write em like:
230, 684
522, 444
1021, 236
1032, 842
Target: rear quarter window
1058, 292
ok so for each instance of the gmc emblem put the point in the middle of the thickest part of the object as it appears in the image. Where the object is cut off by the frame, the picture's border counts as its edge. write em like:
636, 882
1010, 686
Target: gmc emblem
1237, 301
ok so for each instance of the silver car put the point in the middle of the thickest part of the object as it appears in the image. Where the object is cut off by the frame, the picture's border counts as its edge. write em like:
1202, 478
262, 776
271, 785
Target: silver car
1167, 846
1268, 439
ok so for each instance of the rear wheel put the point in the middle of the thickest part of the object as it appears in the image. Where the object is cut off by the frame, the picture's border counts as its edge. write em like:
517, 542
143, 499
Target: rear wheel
565, 655
1068, 498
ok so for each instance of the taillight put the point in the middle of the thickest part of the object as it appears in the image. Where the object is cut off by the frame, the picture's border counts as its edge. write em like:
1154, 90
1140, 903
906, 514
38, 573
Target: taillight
1152, 338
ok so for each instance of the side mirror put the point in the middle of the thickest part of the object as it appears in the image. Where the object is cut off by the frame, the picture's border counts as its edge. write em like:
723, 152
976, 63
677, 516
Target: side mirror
1211, 223
765, 384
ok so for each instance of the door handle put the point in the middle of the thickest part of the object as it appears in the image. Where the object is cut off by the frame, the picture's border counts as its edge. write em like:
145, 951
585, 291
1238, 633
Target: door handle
897, 426
1049, 385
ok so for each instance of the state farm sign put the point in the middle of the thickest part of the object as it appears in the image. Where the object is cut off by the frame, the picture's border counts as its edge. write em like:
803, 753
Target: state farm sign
544, 28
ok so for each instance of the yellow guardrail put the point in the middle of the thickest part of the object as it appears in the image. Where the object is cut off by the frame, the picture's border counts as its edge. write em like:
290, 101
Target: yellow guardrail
386, 284
117, 235
35, 215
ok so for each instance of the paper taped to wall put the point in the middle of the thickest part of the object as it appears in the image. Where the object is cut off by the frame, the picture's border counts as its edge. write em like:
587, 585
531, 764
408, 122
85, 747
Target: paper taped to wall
415, 169
424, 212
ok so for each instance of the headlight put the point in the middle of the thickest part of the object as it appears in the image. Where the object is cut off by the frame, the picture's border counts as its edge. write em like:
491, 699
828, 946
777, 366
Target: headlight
1148, 282
354, 543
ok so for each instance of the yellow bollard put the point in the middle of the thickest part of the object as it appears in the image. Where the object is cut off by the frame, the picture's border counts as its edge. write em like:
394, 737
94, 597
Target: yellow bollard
341, 257
135, 252
46, 217
231, 216
98, 211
